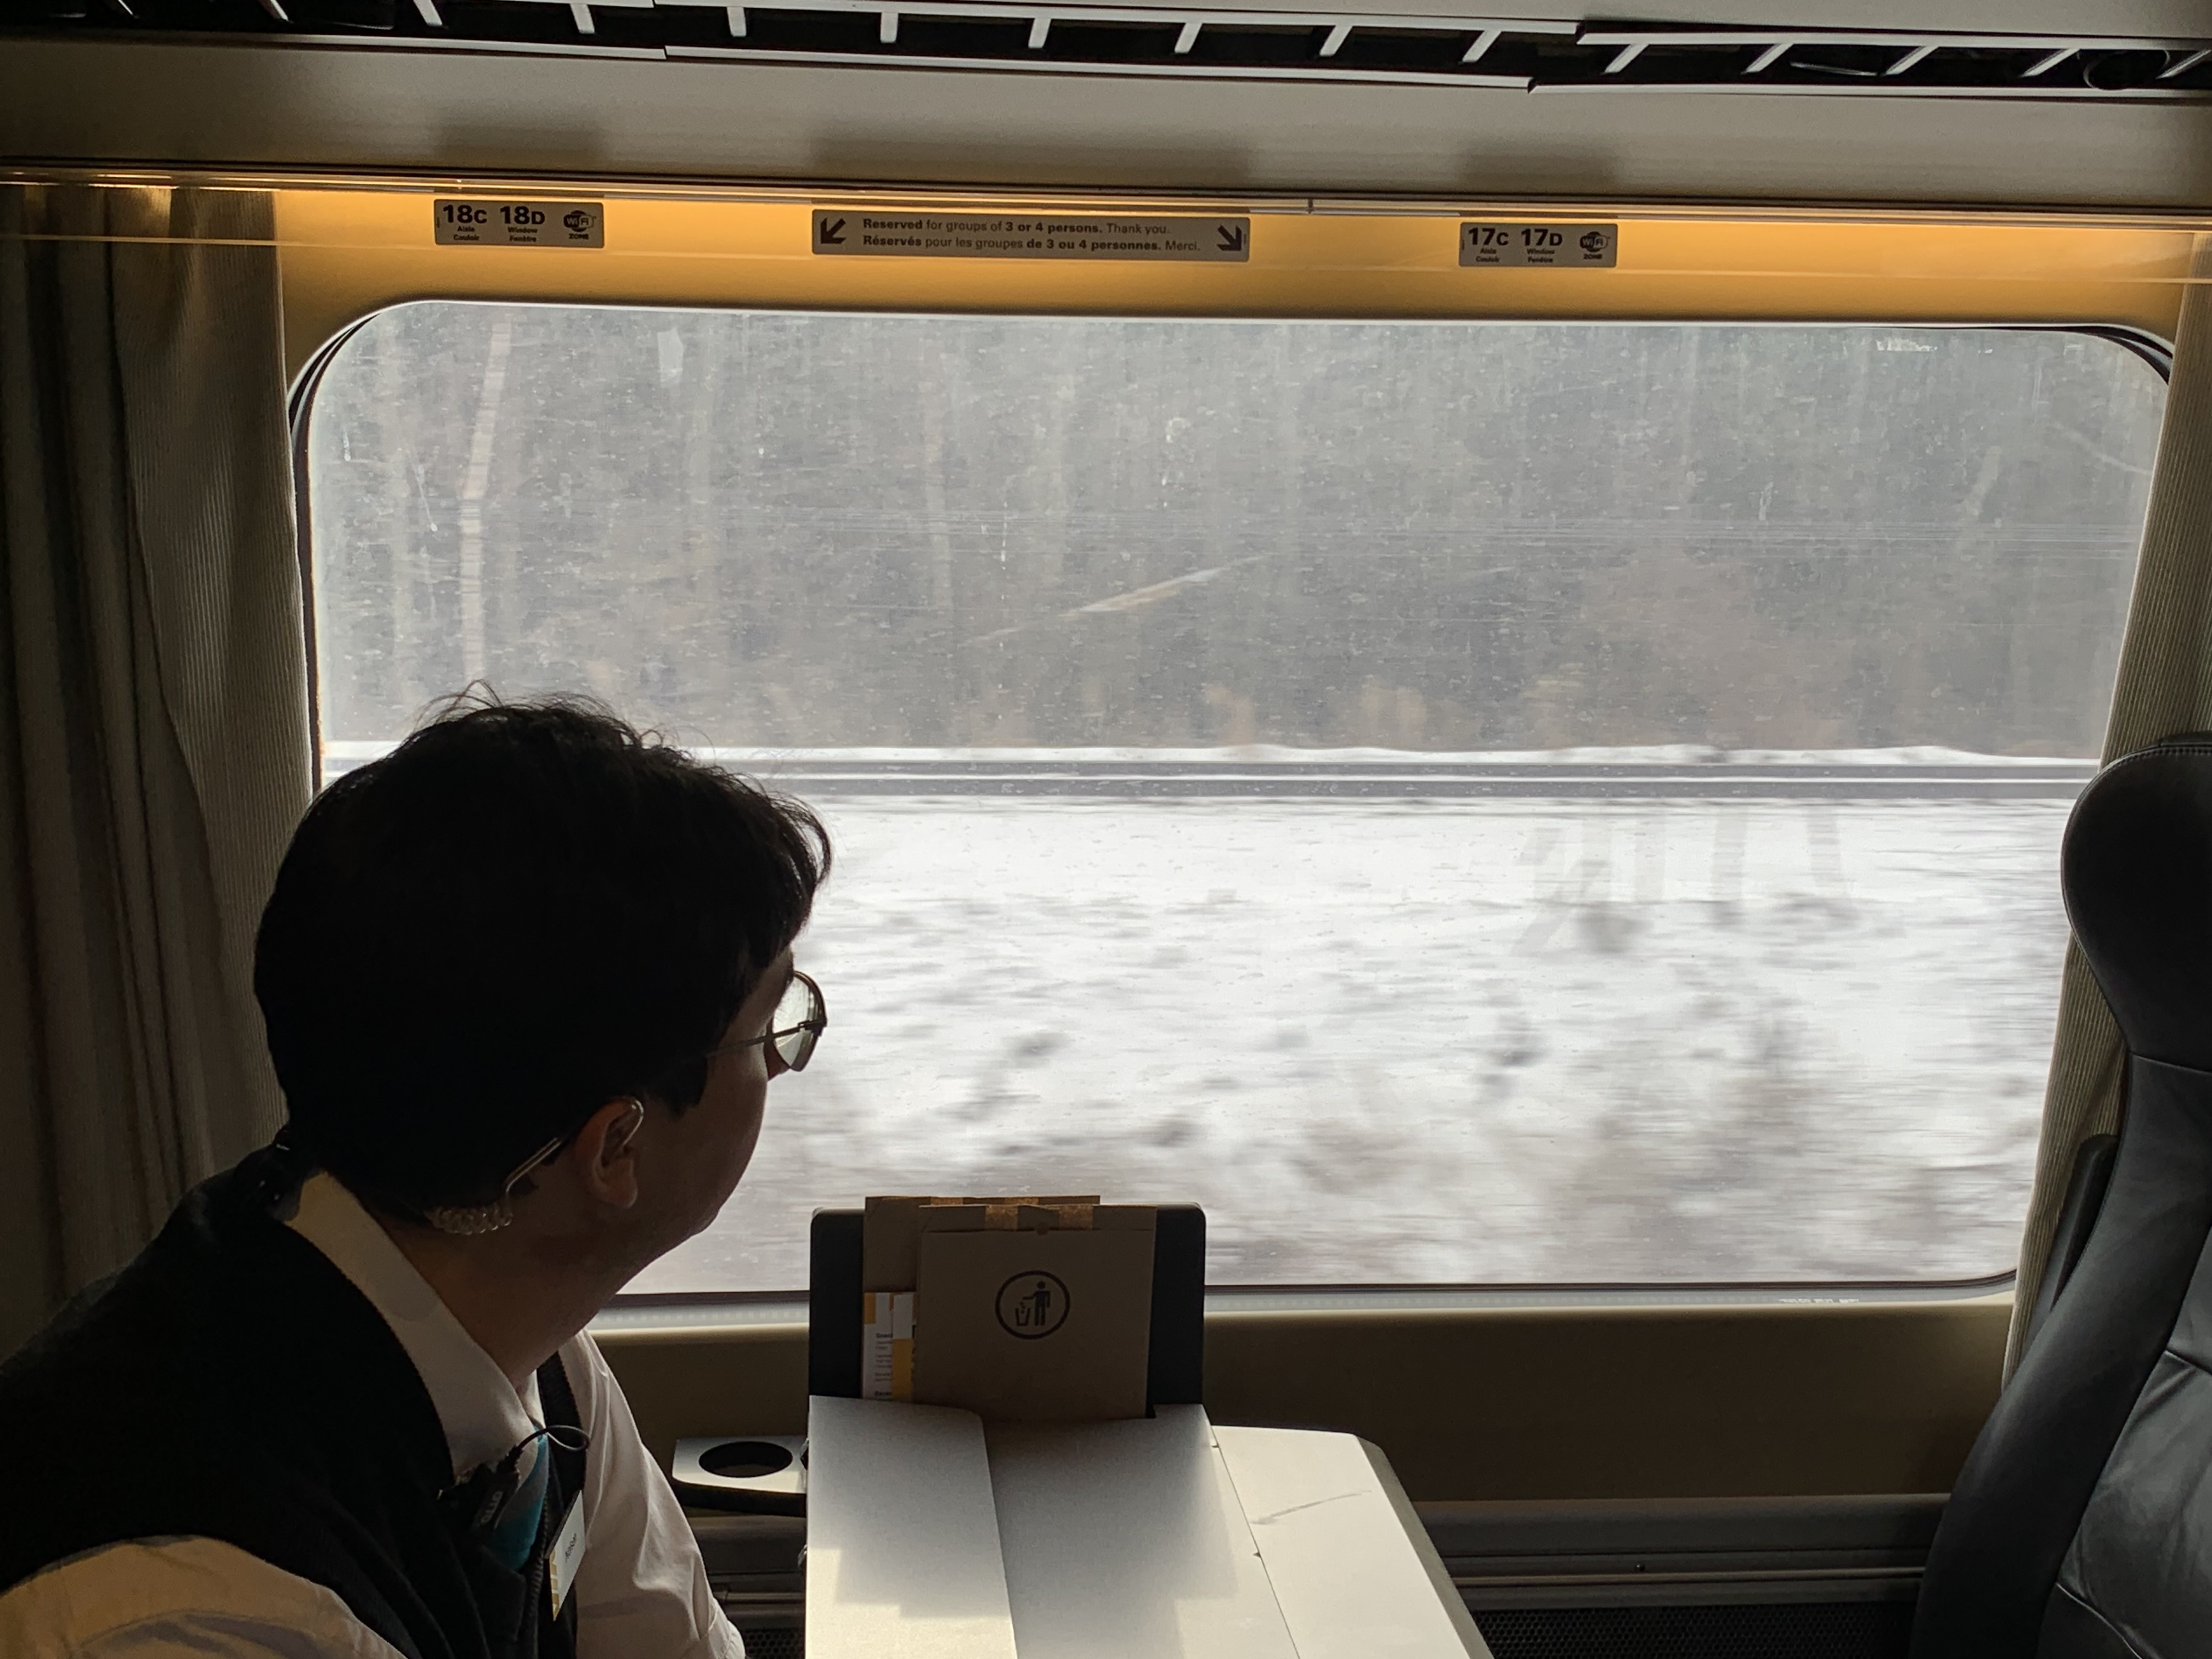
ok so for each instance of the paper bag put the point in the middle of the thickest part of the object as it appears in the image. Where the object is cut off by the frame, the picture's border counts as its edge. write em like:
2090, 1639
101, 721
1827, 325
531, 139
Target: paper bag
1022, 1310
890, 1231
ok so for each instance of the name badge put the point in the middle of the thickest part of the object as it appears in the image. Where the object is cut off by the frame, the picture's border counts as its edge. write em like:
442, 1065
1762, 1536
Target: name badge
566, 1555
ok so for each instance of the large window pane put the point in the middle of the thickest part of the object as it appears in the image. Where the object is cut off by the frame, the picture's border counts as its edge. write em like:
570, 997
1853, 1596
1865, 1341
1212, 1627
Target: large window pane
1462, 801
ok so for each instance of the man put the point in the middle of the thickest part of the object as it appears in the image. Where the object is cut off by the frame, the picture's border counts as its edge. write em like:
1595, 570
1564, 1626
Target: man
526, 983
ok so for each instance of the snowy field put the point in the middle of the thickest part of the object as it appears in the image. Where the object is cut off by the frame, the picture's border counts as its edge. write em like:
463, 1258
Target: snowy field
1451, 1040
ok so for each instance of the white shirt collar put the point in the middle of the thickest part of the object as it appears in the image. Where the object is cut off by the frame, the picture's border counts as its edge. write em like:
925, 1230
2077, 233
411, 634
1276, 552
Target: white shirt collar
484, 1417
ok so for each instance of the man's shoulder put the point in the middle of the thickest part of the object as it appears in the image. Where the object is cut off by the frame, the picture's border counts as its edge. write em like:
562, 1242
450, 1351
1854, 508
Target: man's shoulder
111, 1334
271, 1397
195, 1595
170, 1306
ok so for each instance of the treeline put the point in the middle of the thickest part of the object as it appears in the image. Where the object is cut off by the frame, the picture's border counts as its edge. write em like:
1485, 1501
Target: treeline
776, 530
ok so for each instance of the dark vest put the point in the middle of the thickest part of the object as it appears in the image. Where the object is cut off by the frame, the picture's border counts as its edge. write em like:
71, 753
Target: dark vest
231, 1383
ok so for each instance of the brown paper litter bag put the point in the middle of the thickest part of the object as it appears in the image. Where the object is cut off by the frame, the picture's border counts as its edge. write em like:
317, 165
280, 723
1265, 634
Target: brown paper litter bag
1023, 1309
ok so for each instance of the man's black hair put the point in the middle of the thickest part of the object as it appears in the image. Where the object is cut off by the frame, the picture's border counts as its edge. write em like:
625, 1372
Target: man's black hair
524, 911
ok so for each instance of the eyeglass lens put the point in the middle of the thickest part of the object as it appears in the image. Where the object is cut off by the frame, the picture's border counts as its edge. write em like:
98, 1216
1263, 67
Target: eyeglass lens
796, 1025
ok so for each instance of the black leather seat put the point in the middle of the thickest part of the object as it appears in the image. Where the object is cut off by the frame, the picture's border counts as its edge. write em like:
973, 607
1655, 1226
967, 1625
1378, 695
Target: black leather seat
2081, 1525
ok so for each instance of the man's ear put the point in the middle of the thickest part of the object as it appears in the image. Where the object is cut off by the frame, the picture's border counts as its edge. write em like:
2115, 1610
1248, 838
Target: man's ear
603, 1154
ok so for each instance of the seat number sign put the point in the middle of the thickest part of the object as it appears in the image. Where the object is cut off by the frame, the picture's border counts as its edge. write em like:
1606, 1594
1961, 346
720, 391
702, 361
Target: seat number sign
1586, 245
1215, 239
479, 223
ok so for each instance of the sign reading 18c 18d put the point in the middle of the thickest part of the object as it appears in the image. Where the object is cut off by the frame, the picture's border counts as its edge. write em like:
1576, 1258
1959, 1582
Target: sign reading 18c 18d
518, 224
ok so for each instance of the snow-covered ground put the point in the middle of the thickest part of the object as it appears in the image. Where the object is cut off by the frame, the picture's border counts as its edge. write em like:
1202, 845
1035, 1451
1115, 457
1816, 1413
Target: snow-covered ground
1461, 1039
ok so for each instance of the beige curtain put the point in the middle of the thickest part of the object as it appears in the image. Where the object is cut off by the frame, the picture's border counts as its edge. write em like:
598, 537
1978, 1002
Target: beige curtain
2165, 687
154, 740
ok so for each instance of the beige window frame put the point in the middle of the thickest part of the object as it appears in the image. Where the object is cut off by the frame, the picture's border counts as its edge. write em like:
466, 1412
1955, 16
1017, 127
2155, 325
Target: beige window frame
352, 247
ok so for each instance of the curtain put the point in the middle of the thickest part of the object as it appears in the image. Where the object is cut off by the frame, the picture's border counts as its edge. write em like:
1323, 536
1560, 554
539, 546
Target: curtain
2165, 687
154, 734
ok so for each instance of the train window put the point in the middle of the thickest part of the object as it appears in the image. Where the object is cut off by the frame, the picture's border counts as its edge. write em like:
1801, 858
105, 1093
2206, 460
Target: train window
1465, 802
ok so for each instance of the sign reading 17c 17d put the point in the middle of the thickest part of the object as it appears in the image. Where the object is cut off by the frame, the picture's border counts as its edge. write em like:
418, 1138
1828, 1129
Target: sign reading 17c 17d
1585, 246
1215, 239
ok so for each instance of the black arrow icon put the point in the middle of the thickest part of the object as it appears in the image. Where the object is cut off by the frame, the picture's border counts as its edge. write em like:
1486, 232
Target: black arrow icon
833, 233
1232, 238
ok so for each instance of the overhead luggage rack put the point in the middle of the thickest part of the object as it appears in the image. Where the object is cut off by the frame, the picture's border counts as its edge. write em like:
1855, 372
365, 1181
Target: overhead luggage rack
1518, 54
1692, 59
1135, 41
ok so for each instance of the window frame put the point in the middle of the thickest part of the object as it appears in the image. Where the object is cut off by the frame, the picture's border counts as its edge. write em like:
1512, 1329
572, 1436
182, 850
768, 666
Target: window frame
2135, 326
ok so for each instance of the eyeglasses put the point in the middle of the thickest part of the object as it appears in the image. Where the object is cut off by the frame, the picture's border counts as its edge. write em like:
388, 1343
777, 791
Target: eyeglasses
800, 1018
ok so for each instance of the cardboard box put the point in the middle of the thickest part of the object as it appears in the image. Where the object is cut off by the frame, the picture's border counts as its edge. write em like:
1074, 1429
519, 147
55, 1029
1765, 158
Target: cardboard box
890, 1230
1022, 1310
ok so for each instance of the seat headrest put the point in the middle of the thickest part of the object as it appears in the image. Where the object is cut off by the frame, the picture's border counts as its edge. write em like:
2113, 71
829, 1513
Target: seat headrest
2137, 875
